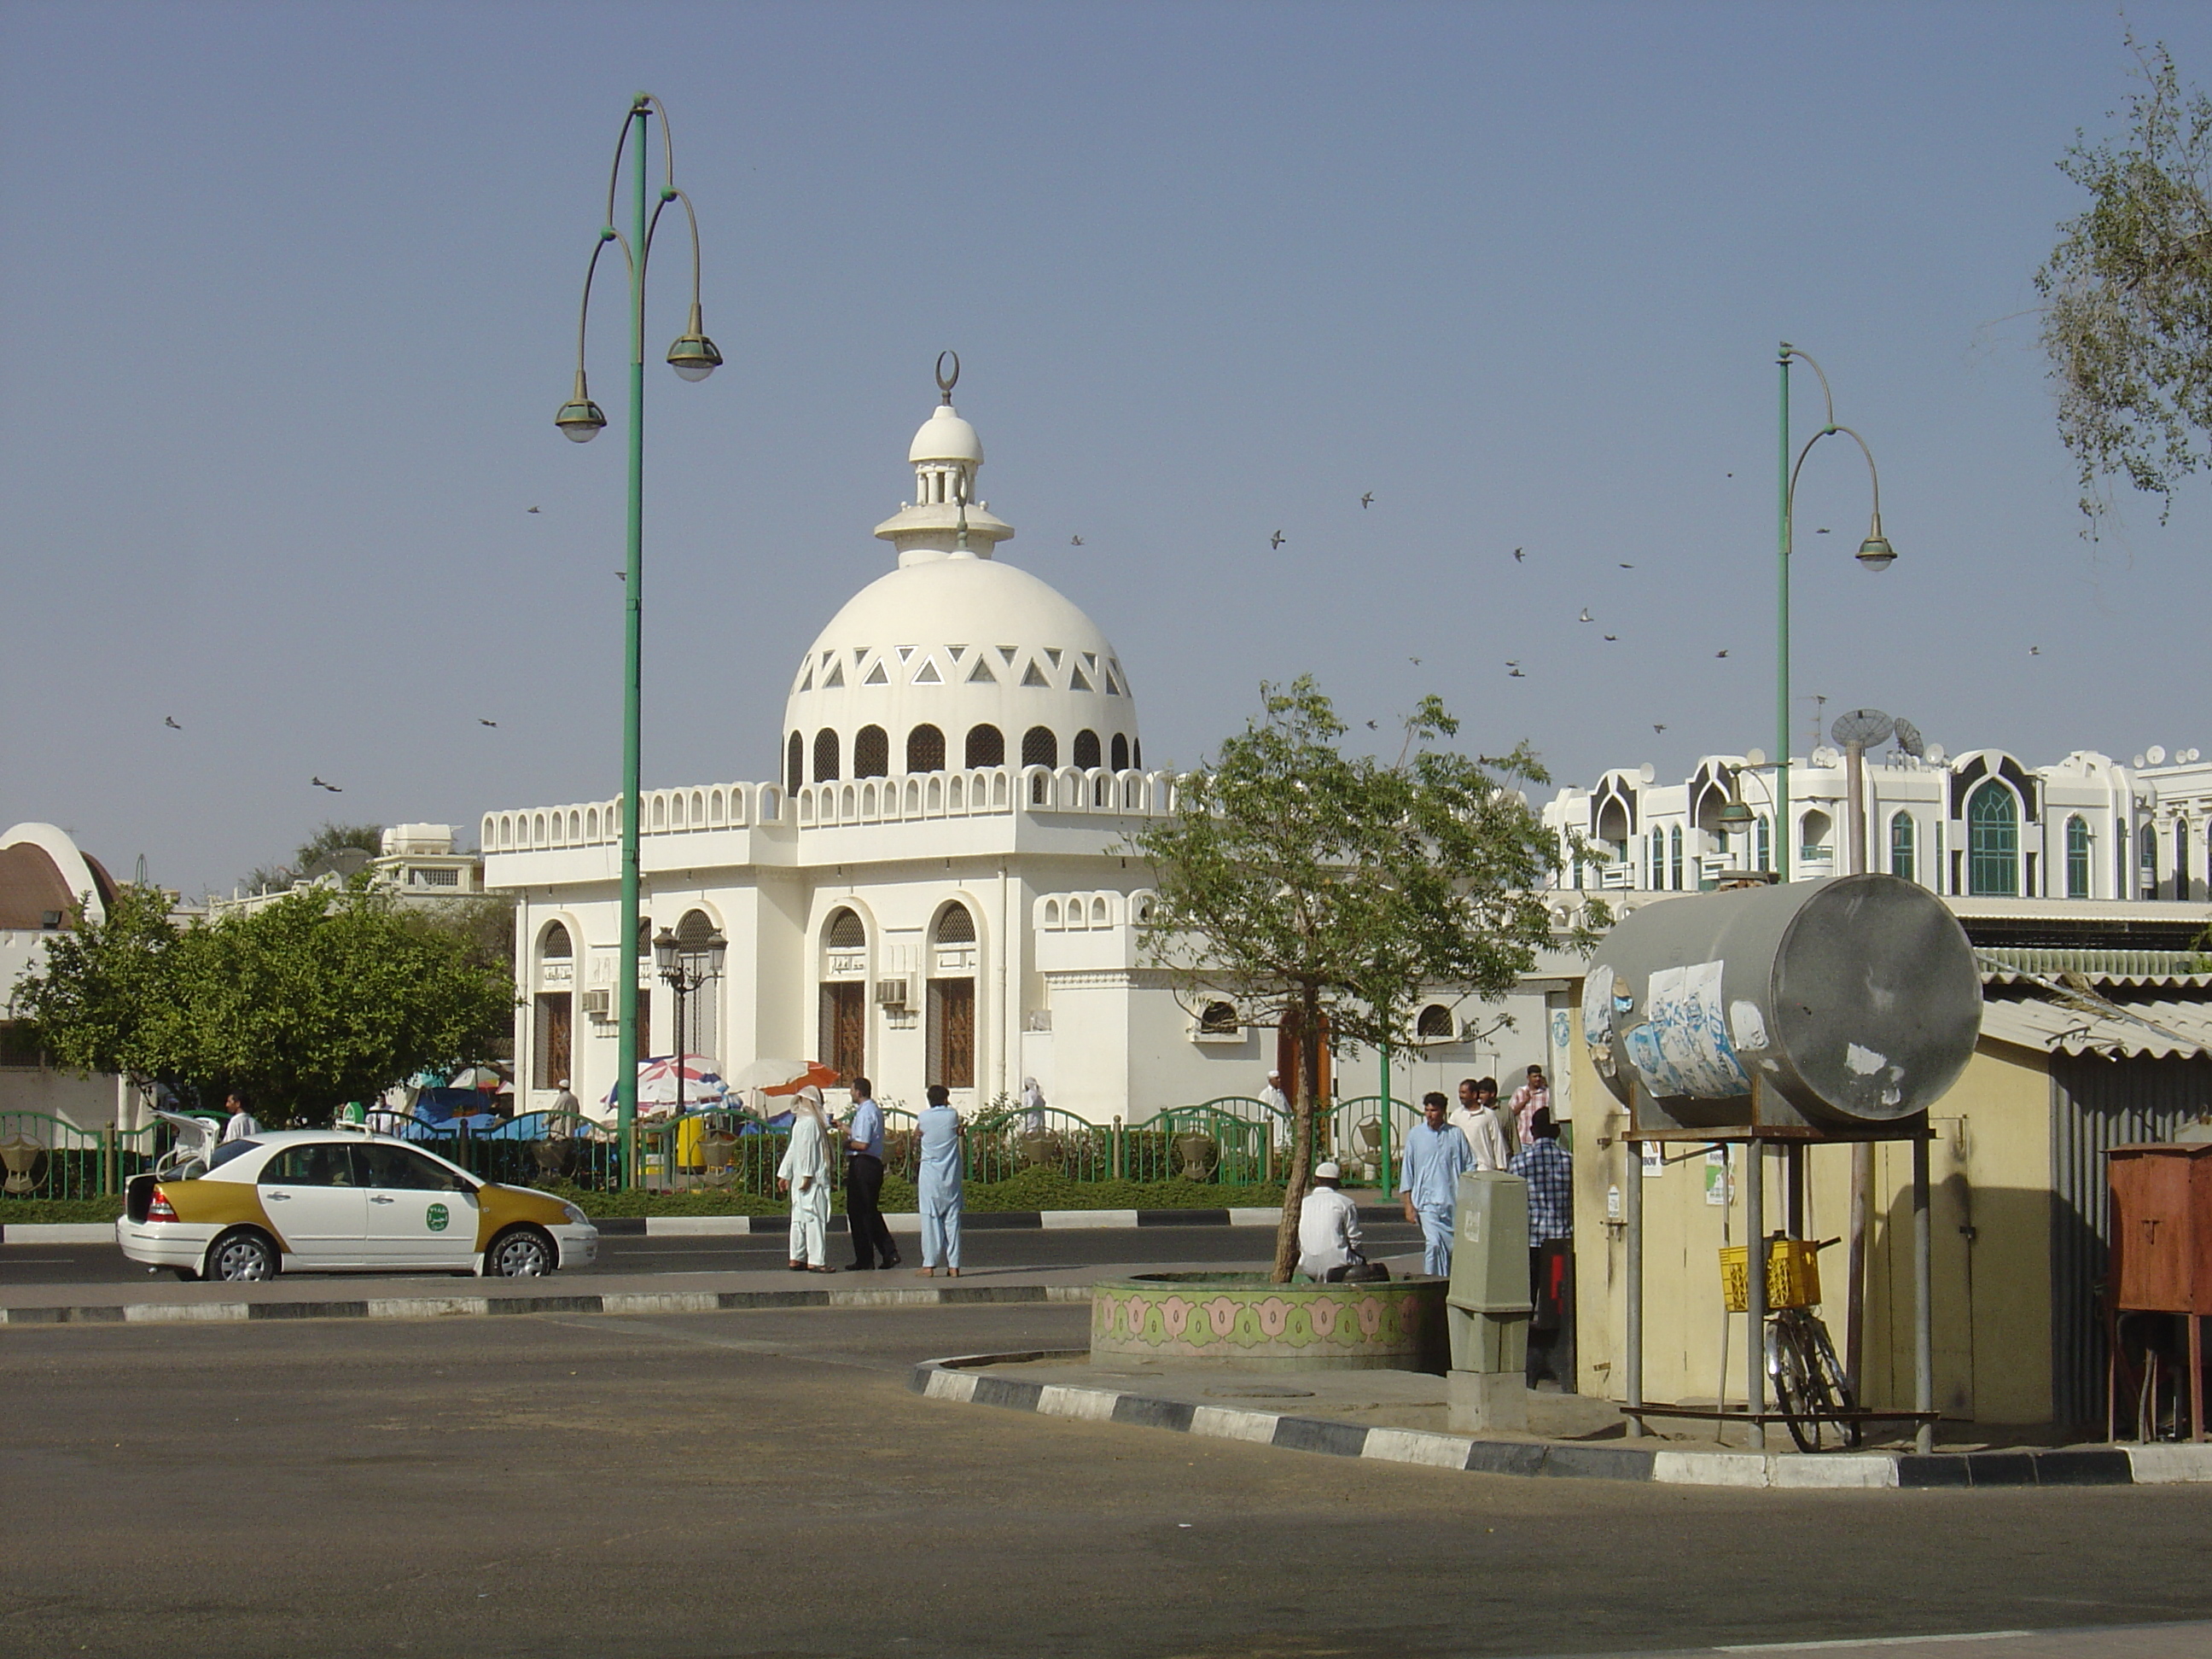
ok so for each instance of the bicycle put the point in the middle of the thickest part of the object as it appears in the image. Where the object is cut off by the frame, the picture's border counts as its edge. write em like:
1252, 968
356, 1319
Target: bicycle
1809, 1380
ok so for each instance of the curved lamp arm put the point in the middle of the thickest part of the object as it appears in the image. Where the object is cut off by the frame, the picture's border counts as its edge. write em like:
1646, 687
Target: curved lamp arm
1791, 353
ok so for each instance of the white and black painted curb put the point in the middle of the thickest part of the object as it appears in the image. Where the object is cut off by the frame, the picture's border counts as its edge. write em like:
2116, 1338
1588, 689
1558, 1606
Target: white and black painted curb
957, 1379
722, 1226
622, 1302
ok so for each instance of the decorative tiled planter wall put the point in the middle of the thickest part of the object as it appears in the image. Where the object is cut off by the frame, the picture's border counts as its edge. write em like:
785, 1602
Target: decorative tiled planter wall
1241, 1322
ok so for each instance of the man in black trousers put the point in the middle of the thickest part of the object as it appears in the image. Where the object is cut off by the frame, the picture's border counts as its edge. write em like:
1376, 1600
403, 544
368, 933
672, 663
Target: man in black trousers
864, 1181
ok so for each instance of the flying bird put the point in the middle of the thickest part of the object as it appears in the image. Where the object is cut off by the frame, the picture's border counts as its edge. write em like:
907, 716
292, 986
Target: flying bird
1720, 653
533, 509
1519, 557
170, 720
332, 787
2033, 650
1416, 661
1821, 533
1368, 500
1628, 567
1276, 539
622, 575
1075, 541
485, 722
1372, 727
1657, 726
1612, 639
1516, 675
1586, 616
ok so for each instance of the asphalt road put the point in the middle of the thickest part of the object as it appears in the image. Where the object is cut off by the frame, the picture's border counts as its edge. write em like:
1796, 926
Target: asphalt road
763, 1485
103, 1264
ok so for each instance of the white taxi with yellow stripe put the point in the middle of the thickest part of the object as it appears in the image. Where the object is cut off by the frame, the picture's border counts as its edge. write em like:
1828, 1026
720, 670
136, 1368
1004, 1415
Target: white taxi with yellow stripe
320, 1201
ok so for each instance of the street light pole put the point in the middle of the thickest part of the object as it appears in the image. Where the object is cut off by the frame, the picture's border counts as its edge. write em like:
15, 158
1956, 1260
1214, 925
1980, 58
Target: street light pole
693, 357
1875, 553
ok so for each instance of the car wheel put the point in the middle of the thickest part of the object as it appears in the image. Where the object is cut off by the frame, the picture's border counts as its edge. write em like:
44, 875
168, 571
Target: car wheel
244, 1255
520, 1253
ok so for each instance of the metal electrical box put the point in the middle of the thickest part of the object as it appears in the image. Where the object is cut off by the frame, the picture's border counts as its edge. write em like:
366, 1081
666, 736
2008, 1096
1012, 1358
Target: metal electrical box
1487, 1305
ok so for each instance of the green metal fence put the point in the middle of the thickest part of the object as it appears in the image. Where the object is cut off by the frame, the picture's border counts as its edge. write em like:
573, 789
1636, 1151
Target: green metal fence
45, 1157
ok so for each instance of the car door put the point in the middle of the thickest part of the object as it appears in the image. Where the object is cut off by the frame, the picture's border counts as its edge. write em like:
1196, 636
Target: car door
421, 1214
311, 1196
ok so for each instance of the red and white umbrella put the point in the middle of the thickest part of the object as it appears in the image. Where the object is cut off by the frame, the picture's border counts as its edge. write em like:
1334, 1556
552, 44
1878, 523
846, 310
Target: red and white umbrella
783, 1077
657, 1082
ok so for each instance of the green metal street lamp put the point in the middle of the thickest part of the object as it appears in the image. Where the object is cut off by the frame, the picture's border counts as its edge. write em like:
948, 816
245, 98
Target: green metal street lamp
1875, 554
693, 356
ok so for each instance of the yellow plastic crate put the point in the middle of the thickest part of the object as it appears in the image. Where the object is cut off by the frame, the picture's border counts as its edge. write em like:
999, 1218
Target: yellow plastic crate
1793, 1275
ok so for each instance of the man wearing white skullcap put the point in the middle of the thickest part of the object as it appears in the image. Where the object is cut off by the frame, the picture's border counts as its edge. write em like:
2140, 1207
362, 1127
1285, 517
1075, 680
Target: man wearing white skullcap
804, 1173
1328, 1227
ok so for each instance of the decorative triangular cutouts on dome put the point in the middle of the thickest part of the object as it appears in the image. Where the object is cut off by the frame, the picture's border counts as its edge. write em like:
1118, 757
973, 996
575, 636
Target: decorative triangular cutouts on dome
955, 651
1009, 652
906, 653
981, 674
826, 655
1053, 652
1112, 689
806, 678
1090, 661
1077, 682
859, 652
1114, 666
1035, 677
876, 675
928, 675
836, 676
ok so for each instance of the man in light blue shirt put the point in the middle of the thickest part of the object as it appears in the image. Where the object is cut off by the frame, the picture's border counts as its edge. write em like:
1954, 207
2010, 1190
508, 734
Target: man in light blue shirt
1436, 1156
939, 1184
864, 1181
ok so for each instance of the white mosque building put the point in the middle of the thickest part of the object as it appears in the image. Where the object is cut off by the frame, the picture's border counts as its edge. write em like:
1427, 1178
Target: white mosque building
934, 890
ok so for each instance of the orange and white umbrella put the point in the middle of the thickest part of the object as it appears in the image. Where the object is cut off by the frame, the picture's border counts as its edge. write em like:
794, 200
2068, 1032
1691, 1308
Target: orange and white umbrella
782, 1076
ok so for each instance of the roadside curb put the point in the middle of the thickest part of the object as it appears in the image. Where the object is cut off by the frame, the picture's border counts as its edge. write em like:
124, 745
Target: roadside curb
445, 1307
956, 1379
907, 1221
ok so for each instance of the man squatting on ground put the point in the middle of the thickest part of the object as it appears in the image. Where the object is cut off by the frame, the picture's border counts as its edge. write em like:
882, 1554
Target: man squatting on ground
1437, 1155
864, 1182
939, 1187
1328, 1227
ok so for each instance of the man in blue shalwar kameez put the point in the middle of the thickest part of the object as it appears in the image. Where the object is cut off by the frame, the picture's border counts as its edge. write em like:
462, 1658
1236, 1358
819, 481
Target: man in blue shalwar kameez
939, 1187
1435, 1157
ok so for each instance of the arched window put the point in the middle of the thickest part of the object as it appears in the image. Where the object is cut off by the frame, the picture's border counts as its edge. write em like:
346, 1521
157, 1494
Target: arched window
557, 945
1137, 753
1219, 1020
794, 763
1766, 845
987, 746
956, 926
1436, 1023
1085, 752
2078, 858
1674, 854
1040, 747
825, 755
847, 931
872, 752
2181, 858
925, 750
1992, 842
1119, 750
1656, 847
2148, 843
1900, 845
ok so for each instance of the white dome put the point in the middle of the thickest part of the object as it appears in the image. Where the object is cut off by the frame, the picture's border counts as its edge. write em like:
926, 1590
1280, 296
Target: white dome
958, 643
945, 437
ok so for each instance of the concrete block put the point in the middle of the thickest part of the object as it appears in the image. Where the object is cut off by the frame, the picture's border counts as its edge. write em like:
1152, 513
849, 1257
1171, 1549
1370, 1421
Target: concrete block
1801, 1470
713, 1226
426, 1307
2166, 1466
951, 1385
1711, 1468
1253, 1218
183, 1313
1077, 1218
58, 1232
1225, 1423
1436, 1451
1487, 1401
662, 1302
1091, 1405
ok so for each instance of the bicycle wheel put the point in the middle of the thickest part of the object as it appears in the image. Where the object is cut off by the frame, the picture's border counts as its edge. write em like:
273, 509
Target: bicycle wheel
1799, 1387
1850, 1430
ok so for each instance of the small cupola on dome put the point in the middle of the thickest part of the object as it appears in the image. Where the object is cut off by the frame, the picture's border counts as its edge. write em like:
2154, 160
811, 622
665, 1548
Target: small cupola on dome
945, 517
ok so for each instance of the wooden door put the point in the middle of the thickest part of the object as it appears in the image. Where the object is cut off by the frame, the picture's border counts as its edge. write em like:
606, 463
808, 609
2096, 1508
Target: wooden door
555, 1030
1290, 1056
953, 1032
845, 1029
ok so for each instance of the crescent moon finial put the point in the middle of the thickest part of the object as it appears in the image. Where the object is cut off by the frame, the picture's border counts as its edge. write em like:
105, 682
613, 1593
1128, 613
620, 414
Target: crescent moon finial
946, 382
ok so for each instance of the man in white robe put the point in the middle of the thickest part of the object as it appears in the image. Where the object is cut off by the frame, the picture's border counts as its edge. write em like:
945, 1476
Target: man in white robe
804, 1173
938, 1188
1328, 1227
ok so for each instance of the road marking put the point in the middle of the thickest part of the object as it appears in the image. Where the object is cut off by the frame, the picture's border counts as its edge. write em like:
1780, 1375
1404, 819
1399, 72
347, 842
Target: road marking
1872, 1642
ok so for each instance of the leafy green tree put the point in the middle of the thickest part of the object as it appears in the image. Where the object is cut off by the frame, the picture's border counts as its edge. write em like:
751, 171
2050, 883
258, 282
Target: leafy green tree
318, 999
1297, 879
2128, 293
332, 837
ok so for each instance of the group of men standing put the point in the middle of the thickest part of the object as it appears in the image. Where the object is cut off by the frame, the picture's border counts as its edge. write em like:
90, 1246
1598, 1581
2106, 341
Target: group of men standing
809, 1167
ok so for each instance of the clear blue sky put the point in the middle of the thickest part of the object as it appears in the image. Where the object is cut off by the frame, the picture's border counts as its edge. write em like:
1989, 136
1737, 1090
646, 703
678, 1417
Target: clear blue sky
286, 303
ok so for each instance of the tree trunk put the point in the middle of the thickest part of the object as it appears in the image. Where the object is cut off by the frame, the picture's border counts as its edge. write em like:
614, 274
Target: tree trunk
1299, 1177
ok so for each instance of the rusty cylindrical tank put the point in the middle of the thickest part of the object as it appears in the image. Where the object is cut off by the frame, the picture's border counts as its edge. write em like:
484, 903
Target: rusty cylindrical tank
1856, 998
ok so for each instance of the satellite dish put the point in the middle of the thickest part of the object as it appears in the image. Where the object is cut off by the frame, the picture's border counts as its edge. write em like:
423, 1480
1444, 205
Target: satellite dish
2191, 756
1755, 757
1864, 726
1908, 737
1647, 772
1936, 755
1825, 756
2139, 760
344, 862
2155, 754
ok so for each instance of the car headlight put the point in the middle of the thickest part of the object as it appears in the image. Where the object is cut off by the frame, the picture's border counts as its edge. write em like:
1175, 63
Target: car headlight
576, 1216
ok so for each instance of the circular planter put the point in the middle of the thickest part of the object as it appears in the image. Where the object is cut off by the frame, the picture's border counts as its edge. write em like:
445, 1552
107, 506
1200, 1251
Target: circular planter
1240, 1321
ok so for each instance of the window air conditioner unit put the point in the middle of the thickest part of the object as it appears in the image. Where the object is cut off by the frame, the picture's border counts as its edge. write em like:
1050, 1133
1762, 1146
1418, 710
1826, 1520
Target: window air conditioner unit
895, 993
599, 1005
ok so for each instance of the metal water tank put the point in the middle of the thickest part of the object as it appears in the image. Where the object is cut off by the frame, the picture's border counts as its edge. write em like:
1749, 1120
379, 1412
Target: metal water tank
1856, 998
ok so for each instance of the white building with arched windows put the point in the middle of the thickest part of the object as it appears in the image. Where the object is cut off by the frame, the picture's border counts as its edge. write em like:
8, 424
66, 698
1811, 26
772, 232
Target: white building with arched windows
931, 890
